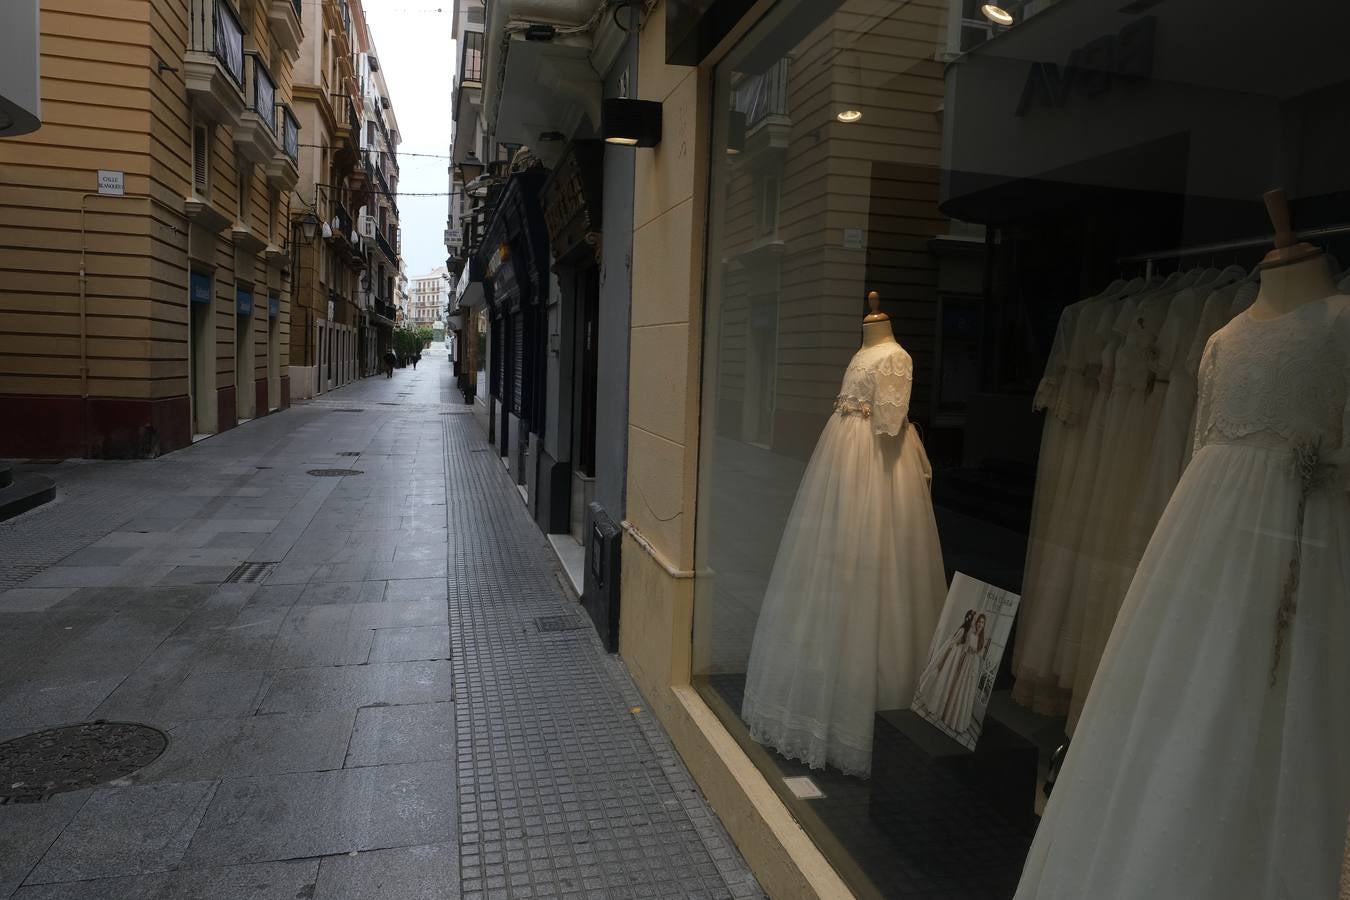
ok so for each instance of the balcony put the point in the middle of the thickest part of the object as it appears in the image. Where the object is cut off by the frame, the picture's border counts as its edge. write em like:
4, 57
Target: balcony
385, 247
471, 60
213, 64
763, 100
286, 17
283, 166
256, 133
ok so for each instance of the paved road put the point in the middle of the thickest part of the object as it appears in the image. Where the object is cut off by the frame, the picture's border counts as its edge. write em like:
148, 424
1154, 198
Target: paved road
388, 711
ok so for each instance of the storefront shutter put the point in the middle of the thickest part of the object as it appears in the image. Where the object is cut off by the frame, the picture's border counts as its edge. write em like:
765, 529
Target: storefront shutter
517, 361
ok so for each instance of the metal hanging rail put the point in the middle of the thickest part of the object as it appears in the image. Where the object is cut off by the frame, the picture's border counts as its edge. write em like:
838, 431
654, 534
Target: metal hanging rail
1240, 244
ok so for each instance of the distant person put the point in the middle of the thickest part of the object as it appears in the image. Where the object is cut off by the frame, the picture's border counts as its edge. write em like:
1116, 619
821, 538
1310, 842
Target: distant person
389, 360
417, 358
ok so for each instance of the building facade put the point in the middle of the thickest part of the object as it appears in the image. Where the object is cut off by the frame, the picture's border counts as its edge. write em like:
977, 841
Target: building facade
997, 174
539, 236
428, 298
144, 239
346, 263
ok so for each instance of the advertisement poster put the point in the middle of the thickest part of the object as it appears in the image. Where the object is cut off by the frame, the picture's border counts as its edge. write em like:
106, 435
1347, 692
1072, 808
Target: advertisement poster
958, 678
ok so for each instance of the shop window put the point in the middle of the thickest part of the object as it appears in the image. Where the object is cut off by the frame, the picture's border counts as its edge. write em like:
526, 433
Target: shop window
1041, 497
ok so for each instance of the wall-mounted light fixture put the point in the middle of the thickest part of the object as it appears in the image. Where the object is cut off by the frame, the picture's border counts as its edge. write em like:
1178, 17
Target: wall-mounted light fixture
309, 226
997, 13
848, 116
469, 168
630, 123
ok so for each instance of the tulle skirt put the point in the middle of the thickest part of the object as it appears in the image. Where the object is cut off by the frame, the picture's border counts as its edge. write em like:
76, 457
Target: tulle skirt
852, 602
1190, 775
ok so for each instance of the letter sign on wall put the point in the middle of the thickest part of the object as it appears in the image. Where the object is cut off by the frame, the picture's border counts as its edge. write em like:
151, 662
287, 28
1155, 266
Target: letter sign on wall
112, 183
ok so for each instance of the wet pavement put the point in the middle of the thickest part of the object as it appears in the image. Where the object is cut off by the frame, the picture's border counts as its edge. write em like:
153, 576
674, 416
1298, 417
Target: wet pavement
362, 677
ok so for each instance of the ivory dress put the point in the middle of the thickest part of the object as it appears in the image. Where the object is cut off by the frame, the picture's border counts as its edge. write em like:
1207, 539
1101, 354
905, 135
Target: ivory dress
858, 585
1200, 769
947, 688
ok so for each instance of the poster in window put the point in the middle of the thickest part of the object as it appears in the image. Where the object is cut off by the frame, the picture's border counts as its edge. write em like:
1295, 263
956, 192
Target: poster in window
958, 677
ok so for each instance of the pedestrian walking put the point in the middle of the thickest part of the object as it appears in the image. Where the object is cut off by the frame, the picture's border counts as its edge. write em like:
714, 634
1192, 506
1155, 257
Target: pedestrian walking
389, 360
417, 358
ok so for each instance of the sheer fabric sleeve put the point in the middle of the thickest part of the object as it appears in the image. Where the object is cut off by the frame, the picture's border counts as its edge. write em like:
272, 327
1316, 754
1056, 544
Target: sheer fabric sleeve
893, 381
1047, 392
1204, 401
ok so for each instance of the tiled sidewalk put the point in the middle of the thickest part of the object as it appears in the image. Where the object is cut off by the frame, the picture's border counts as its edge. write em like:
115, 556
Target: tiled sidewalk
380, 716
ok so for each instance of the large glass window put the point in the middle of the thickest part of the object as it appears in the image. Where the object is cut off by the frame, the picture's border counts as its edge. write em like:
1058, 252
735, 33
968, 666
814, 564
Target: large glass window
1089, 382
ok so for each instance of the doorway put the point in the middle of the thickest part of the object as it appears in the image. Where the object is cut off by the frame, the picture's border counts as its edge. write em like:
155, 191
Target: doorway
273, 354
244, 390
201, 353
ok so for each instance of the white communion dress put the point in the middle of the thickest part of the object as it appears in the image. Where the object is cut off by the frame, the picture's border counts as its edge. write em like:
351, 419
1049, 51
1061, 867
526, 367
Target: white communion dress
948, 687
1210, 761
857, 585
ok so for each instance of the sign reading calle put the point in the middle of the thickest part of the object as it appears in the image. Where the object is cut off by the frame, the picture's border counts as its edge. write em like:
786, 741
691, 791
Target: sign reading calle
111, 183
1094, 69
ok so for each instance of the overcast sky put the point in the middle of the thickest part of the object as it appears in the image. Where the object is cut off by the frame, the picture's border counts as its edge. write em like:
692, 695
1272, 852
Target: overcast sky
413, 38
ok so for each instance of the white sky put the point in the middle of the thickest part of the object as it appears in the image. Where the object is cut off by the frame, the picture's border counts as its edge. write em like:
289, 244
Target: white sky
417, 55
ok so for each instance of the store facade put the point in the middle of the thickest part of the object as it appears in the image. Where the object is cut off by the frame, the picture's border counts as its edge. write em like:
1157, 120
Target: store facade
1082, 392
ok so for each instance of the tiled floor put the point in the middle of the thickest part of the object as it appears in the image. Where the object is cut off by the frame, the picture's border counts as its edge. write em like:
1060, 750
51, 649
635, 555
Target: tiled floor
380, 716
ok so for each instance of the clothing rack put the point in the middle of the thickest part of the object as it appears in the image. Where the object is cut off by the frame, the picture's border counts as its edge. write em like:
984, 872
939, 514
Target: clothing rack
1150, 258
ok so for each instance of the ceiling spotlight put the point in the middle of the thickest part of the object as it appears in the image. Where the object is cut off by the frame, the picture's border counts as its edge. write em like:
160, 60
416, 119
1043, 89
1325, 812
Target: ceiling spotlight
849, 116
996, 14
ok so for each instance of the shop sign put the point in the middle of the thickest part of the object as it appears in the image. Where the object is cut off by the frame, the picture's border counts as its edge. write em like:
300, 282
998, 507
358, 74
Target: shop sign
1093, 70
498, 258
243, 302
199, 288
273, 306
571, 198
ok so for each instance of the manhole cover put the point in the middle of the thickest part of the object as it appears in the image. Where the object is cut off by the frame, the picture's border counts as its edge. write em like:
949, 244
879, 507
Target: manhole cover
558, 623
36, 766
250, 572
334, 473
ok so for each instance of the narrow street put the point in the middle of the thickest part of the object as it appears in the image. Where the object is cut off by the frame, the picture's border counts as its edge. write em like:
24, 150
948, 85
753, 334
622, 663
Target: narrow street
397, 698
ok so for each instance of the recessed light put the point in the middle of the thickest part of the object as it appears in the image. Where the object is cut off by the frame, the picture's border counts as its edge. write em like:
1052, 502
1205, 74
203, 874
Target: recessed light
996, 14
849, 115
625, 141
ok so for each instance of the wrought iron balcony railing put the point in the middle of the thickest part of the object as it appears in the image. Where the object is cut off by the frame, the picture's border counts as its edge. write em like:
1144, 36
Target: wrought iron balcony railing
228, 40
262, 97
764, 95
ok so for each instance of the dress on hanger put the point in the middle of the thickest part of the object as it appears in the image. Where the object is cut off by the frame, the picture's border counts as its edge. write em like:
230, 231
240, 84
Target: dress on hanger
1106, 564
1065, 470
858, 584
1201, 769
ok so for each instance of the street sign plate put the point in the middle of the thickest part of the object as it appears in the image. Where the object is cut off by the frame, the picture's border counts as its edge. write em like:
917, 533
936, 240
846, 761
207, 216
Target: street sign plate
111, 183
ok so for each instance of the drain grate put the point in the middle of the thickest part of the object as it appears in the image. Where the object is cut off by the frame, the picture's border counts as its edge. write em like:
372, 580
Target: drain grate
38, 765
347, 409
334, 473
386, 403
549, 624
250, 572
349, 453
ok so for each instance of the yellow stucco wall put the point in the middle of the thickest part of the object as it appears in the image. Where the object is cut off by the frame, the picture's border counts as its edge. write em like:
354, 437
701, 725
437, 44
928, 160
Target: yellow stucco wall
658, 555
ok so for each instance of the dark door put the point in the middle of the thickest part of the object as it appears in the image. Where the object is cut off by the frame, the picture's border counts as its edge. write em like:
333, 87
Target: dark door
588, 290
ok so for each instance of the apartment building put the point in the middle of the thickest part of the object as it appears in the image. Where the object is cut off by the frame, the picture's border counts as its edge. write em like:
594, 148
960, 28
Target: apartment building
349, 220
144, 274
428, 297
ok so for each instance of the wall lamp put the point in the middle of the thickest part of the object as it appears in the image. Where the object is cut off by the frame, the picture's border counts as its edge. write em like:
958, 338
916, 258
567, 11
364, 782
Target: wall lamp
309, 226
469, 168
630, 123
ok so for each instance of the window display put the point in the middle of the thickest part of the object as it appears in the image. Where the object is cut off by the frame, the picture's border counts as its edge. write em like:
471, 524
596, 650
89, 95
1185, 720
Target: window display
1115, 398
857, 585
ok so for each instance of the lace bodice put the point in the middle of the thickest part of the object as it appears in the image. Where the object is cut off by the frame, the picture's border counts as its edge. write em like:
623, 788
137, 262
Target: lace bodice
877, 385
1278, 382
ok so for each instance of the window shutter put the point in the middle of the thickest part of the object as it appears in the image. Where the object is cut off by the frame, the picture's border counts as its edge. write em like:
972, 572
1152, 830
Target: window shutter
201, 154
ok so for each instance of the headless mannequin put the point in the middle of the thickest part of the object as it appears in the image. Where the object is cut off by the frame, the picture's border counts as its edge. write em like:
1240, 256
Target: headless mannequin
876, 324
1292, 275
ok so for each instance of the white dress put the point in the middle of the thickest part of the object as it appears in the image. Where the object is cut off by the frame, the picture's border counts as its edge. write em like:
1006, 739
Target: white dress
858, 584
947, 688
1199, 770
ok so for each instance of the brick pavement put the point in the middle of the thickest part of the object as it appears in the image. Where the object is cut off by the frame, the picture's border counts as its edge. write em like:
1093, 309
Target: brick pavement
382, 714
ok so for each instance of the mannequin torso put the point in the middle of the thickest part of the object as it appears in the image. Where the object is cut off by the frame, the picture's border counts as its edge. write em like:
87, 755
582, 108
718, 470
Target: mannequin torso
875, 333
1287, 287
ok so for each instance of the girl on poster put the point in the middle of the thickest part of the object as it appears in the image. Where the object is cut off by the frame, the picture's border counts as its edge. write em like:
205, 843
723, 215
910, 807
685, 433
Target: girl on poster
948, 686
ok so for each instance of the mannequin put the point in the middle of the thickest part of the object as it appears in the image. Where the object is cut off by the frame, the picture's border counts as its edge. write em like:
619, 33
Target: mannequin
1292, 274
876, 324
